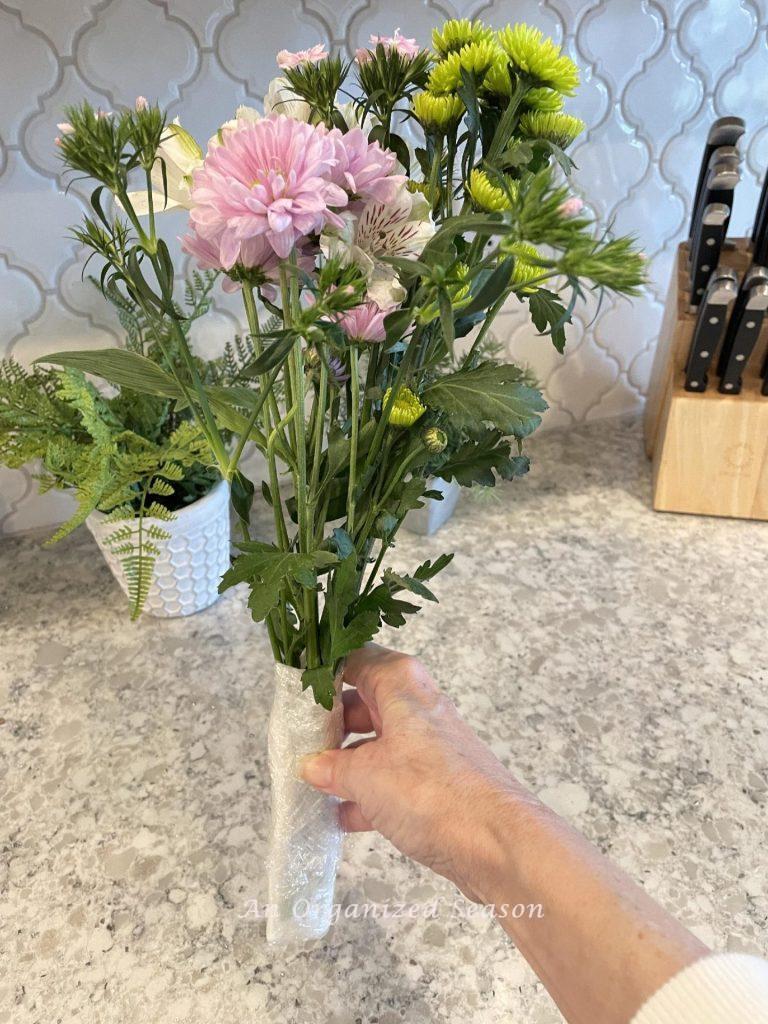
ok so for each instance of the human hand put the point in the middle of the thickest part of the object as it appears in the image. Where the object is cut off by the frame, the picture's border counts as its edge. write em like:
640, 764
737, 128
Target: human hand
426, 781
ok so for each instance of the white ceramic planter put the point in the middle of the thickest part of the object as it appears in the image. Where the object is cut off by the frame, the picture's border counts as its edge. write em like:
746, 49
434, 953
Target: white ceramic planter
305, 837
428, 520
192, 560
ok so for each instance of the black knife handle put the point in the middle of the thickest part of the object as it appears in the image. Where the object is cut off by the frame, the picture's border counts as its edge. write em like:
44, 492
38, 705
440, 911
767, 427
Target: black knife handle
762, 208
709, 241
764, 375
707, 333
743, 332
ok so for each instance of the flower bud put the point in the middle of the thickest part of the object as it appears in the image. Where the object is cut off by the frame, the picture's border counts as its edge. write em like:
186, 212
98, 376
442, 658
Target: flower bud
435, 440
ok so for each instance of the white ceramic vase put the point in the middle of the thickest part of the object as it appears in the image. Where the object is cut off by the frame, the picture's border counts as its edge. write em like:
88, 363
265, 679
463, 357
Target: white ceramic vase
191, 561
435, 513
305, 836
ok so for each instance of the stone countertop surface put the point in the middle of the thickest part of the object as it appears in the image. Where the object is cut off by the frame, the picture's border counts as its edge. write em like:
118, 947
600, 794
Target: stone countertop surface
613, 657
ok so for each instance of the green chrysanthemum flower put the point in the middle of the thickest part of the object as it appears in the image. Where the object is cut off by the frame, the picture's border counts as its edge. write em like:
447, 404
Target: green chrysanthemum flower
541, 58
437, 111
457, 33
498, 79
525, 267
544, 99
445, 76
479, 57
406, 408
561, 129
489, 197
476, 58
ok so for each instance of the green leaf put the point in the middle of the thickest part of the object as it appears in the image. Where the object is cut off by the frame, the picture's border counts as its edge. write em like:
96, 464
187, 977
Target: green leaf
405, 582
479, 223
429, 569
491, 287
270, 357
446, 319
478, 460
242, 490
547, 311
267, 569
121, 368
489, 393
321, 681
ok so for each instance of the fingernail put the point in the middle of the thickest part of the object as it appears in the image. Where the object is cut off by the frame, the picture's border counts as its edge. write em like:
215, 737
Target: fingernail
316, 769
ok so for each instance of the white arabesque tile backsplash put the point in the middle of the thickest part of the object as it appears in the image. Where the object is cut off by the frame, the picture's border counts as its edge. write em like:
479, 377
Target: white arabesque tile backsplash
655, 73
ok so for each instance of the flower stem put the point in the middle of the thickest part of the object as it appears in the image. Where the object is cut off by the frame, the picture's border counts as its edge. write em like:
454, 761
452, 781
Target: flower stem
354, 415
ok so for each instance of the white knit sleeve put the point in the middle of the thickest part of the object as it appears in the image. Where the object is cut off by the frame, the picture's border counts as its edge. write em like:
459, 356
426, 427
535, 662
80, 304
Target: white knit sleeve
725, 988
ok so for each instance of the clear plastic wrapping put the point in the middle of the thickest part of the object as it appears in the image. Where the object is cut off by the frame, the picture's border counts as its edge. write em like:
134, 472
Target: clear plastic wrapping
305, 838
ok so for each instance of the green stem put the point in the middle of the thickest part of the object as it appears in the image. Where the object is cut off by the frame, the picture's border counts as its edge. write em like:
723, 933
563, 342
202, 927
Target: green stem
401, 378
506, 124
354, 414
490, 317
151, 210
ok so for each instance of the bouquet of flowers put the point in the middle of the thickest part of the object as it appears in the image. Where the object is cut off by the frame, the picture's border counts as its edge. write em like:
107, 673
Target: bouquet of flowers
362, 260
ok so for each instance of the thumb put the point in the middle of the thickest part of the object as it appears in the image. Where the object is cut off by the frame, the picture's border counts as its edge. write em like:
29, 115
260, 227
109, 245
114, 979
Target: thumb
332, 771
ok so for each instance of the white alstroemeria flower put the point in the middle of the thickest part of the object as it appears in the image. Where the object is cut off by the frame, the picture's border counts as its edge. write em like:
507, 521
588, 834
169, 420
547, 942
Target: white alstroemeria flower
281, 99
400, 228
182, 156
243, 115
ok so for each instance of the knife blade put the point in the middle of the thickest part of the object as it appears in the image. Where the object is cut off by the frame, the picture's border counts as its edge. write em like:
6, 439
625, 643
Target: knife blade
725, 131
743, 329
710, 326
712, 231
719, 188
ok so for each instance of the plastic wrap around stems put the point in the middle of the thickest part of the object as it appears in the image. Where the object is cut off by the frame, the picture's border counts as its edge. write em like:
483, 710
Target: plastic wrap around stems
305, 839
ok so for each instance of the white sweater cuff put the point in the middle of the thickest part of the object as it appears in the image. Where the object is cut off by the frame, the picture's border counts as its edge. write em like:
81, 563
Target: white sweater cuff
725, 988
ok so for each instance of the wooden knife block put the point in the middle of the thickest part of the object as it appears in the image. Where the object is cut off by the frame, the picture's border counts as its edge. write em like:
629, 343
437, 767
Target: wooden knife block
709, 451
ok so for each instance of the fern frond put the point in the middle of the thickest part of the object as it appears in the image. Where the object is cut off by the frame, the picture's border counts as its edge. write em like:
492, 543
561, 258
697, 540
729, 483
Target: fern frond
158, 511
160, 488
138, 570
157, 532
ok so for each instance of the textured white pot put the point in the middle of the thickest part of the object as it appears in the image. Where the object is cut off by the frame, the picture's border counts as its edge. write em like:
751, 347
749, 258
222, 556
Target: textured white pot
305, 838
435, 514
191, 562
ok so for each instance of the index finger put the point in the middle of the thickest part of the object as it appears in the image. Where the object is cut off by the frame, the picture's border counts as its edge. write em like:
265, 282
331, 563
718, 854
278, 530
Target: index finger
382, 675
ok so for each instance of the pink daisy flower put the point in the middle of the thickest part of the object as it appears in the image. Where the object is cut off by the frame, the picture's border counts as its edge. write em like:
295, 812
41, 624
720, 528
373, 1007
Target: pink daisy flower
363, 168
365, 322
316, 53
271, 177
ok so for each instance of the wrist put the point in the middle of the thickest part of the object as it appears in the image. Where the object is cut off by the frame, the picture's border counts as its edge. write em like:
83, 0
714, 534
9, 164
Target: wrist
501, 815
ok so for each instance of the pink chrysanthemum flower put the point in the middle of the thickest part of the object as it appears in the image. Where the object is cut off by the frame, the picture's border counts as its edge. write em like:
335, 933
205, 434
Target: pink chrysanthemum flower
255, 254
365, 322
271, 177
287, 59
363, 168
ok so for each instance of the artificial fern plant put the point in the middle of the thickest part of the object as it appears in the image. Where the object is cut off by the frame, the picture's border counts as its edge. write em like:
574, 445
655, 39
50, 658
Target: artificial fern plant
137, 458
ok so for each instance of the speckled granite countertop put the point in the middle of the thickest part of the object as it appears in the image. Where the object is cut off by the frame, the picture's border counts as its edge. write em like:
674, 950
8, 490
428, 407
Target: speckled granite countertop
614, 657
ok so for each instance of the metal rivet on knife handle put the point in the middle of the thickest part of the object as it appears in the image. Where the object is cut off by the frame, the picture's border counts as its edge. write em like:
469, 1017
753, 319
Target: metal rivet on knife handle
710, 327
709, 242
725, 131
743, 330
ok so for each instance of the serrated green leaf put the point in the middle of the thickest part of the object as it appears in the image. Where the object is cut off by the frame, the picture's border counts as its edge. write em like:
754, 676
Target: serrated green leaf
489, 393
547, 311
266, 569
321, 681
